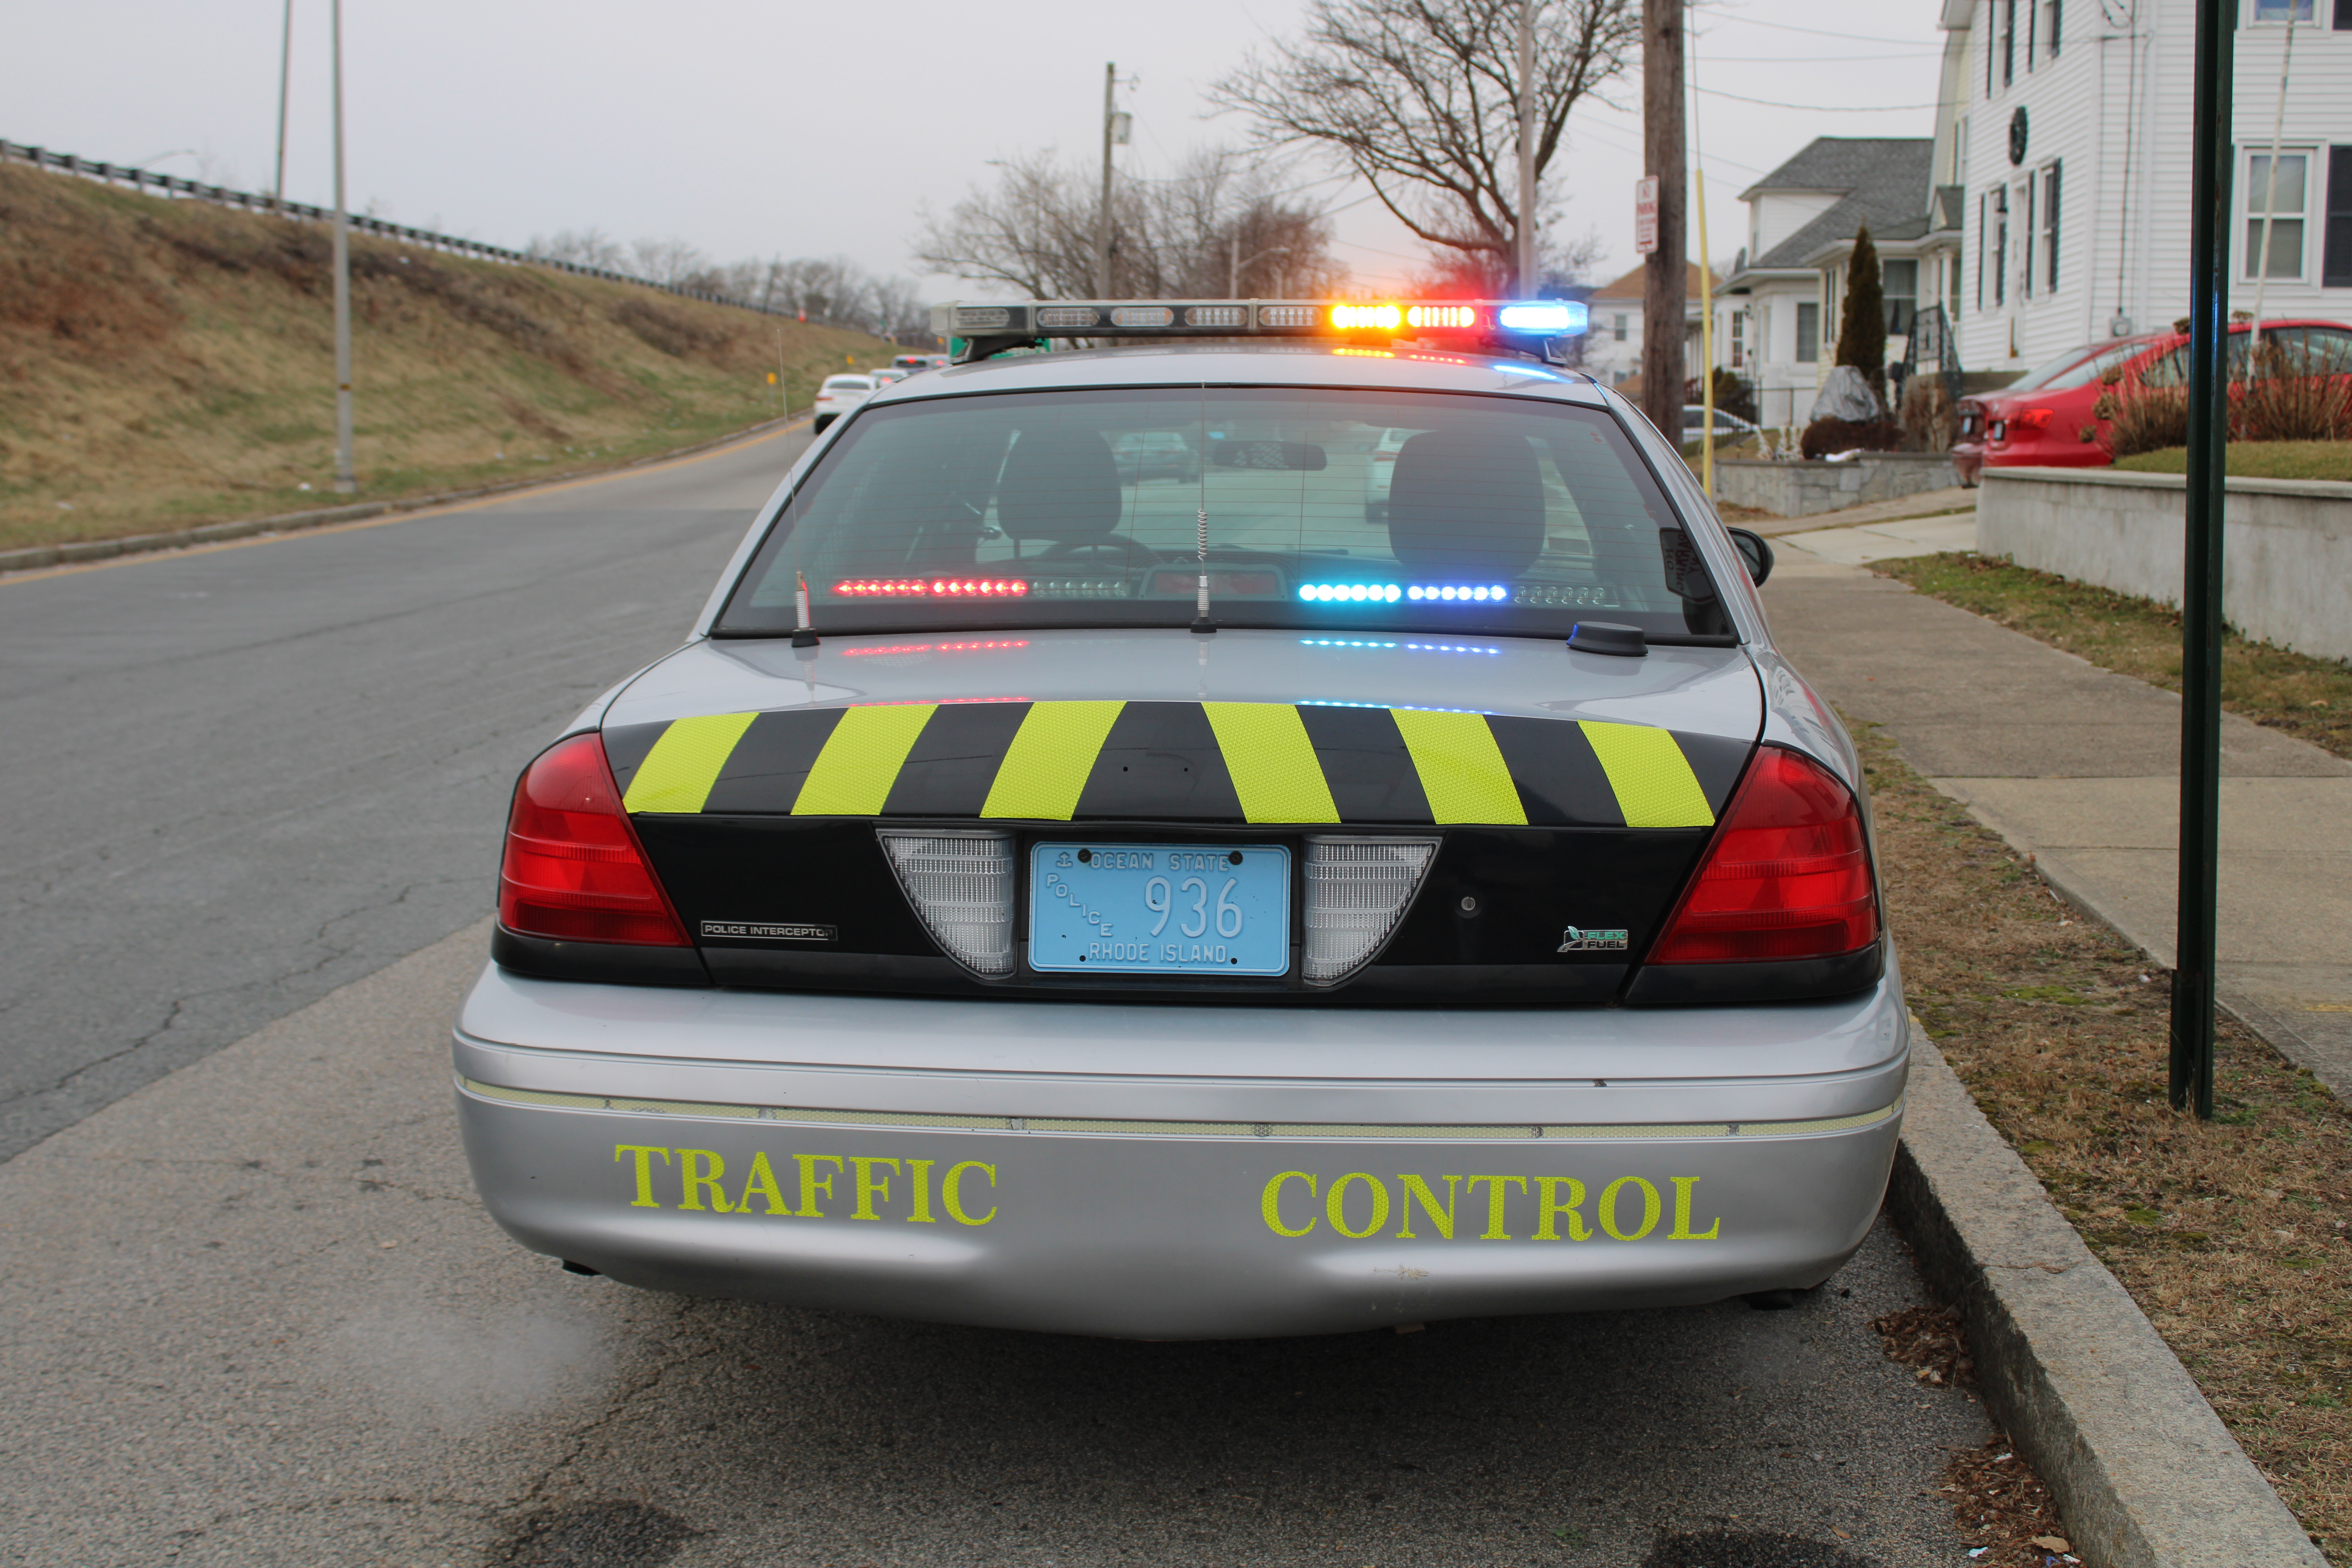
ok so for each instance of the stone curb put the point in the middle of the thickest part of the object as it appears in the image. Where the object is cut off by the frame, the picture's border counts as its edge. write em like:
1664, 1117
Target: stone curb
2144, 1472
37, 557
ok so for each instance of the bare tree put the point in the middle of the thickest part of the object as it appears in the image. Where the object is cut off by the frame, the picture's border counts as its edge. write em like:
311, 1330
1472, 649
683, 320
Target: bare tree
1216, 225
670, 261
1420, 100
584, 248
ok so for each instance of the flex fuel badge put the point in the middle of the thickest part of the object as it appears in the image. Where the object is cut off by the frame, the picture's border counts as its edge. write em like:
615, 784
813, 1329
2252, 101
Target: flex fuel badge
1593, 938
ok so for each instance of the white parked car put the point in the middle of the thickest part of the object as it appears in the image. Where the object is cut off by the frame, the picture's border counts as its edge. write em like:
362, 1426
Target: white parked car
841, 395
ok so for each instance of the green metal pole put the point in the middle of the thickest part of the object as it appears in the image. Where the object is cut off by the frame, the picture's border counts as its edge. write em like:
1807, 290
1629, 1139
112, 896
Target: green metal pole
2200, 598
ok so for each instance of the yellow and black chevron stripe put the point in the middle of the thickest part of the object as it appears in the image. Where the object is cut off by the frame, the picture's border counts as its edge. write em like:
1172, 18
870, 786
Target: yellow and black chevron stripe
1186, 762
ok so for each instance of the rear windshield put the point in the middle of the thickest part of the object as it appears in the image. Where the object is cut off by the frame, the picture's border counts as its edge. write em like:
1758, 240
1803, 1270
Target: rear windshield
850, 383
1411, 511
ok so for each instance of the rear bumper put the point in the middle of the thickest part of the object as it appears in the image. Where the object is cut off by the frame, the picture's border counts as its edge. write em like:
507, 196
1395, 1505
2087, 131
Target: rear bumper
1004, 1188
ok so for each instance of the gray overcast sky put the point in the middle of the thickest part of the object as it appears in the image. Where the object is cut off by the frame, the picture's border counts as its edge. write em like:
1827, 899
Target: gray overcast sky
803, 129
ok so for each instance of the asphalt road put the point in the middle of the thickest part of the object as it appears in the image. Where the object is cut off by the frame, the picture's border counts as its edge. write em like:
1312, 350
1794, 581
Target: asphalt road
240, 778
256, 1317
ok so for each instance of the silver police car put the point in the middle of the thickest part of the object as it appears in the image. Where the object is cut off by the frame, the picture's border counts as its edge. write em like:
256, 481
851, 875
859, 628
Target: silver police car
1280, 899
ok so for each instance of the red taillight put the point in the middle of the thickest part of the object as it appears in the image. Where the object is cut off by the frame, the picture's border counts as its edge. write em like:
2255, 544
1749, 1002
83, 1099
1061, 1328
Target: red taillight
573, 869
2031, 419
1787, 876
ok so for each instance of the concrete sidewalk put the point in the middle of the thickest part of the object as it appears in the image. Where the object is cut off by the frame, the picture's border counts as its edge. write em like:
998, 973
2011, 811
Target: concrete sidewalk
2079, 766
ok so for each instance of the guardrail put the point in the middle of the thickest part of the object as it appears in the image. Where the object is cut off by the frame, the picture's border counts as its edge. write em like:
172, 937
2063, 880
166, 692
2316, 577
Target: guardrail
171, 185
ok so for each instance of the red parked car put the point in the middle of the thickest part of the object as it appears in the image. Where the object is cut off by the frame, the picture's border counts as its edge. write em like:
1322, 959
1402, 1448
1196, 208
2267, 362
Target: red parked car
2046, 419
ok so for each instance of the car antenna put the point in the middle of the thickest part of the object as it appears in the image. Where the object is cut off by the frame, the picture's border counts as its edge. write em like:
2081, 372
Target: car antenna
805, 635
1201, 621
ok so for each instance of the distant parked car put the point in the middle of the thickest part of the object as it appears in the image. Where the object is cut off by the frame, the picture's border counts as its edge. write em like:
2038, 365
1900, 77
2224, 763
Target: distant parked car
2049, 417
840, 394
1155, 455
886, 377
1694, 420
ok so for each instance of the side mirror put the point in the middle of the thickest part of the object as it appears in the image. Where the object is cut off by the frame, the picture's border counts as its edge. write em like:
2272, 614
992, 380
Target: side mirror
1754, 553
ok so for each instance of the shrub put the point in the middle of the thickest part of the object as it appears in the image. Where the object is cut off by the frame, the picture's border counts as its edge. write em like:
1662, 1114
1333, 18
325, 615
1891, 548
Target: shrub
1824, 436
1861, 326
2292, 399
1927, 414
2147, 419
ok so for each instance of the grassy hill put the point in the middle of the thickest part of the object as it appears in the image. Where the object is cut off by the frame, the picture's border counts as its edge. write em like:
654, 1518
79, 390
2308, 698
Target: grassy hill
165, 364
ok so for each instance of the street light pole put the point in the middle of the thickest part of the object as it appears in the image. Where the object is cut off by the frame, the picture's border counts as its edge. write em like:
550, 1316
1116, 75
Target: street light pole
1102, 214
2191, 1086
1526, 268
285, 80
346, 479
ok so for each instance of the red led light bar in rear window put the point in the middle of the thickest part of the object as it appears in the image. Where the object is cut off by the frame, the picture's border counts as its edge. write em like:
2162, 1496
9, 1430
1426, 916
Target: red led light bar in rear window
931, 588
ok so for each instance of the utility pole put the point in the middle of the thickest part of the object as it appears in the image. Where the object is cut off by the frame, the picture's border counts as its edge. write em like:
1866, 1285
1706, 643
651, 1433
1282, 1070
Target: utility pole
1102, 215
2191, 1086
1526, 289
1666, 273
285, 80
346, 479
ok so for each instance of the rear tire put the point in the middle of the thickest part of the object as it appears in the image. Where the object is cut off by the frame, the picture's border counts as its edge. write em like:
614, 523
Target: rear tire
822, 420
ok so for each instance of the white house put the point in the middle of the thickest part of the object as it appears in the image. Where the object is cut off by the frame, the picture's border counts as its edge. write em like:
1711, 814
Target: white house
1778, 312
2074, 140
1612, 342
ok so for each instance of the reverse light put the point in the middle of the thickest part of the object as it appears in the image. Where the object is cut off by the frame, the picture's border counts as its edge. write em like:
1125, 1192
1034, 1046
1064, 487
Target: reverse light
961, 885
1787, 876
573, 869
1356, 891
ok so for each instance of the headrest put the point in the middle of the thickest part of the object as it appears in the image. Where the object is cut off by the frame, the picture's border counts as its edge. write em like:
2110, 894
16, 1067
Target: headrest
1059, 483
1466, 502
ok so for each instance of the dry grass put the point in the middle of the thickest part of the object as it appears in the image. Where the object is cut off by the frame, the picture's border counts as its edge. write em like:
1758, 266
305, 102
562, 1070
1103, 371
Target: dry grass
2258, 460
2308, 697
167, 363
2231, 1235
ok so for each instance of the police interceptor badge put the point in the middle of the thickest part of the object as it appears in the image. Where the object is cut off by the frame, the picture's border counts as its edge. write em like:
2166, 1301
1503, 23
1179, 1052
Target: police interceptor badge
1577, 939
767, 930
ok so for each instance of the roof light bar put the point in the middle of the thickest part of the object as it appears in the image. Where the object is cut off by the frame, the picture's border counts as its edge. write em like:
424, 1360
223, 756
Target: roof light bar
1466, 323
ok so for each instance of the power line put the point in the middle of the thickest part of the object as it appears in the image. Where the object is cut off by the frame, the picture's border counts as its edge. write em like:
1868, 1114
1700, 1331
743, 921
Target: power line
1822, 108
1818, 32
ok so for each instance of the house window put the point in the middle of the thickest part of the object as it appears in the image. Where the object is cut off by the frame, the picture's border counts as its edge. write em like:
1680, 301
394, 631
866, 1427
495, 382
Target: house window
2336, 268
2047, 17
1952, 285
1617, 328
2277, 10
2049, 237
2001, 245
1809, 331
2008, 42
1738, 339
1899, 282
2287, 198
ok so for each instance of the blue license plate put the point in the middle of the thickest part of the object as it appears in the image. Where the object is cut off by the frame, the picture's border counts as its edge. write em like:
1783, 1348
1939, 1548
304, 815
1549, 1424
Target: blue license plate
1160, 908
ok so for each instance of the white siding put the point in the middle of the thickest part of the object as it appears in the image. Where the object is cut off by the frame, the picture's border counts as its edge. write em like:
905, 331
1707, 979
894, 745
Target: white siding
2125, 232
1774, 216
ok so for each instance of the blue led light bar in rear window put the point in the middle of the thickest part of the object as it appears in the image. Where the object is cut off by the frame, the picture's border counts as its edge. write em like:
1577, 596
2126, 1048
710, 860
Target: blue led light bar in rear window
1390, 592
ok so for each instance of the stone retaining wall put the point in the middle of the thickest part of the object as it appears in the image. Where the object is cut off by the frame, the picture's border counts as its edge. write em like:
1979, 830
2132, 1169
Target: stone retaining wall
1805, 489
2286, 544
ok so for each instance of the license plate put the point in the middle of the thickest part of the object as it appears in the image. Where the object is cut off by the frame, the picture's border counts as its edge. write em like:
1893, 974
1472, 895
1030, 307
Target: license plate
1160, 908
